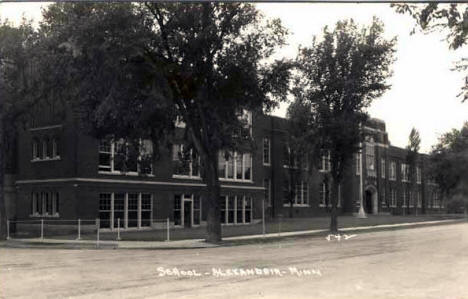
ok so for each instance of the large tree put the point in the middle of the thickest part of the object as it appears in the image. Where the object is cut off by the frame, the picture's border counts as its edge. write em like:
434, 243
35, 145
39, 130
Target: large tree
448, 160
300, 149
452, 19
133, 71
18, 94
339, 75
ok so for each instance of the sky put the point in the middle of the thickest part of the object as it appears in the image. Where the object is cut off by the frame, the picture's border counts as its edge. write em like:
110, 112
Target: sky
423, 90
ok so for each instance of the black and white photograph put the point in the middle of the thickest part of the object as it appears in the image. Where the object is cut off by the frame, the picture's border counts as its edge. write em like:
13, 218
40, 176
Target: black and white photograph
223, 149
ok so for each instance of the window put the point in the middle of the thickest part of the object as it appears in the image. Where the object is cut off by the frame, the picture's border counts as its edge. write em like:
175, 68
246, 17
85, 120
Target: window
302, 194
35, 150
55, 148
45, 204
435, 199
132, 210
382, 168
418, 175
404, 172
286, 192
122, 157
393, 198
411, 198
238, 166
267, 185
370, 159
186, 164
382, 197
324, 195
405, 197
325, 165
236, 209
419, 199
358, 163
392, 175
45, 148
266, 151
246, 118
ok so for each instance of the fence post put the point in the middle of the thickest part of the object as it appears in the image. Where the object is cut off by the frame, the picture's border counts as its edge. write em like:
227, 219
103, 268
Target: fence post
263, 216
79, 229
118, 229
97, 232
280, 217
167, 229
8, 229
42, 229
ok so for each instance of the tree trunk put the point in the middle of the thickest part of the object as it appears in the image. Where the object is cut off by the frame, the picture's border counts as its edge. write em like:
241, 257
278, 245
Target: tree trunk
334, 210
3, 216
213, 221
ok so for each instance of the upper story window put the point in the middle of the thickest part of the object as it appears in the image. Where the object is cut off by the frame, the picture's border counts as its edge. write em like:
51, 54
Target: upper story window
418, 175
186, 163
404, 172
45, 148
382, 168
358, 163
370, 158
237, 166
119, 156
392, 172
266, 151
289, 158
325, 164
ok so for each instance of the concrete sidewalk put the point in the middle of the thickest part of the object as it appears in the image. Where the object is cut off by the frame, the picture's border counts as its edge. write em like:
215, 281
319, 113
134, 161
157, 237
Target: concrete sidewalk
199, 243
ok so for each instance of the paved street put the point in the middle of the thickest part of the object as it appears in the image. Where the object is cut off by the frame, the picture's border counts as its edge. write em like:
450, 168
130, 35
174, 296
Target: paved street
425, 262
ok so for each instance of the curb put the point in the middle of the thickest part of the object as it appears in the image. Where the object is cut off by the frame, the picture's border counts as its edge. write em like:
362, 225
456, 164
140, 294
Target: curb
199, 243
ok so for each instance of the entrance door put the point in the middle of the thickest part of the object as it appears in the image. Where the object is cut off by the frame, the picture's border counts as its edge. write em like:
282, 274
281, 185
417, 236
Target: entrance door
368, 203
187, 213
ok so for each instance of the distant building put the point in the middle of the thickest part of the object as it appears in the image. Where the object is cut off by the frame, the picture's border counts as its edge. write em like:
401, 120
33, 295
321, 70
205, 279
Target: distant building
61, 173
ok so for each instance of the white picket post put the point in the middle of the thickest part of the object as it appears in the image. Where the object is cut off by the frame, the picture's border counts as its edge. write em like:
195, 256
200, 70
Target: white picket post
263, 217
118, 229
79, 229
167, 229
42, 229
97, 232
8, 229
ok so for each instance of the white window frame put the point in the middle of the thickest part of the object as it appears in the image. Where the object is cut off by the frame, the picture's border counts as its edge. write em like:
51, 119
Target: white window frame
382, 168
393, 198
112, 170
54, 200
392, 174
358, 163
233, 157
325, 163
125, 219
404, 172
236, 208
418, 175
179, 148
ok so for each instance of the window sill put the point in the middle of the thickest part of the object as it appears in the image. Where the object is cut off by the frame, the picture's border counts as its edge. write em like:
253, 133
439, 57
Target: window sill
266, 164
236, 180
296, 205
322, 170
46, 159
135, 174
44, 216
187, 177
